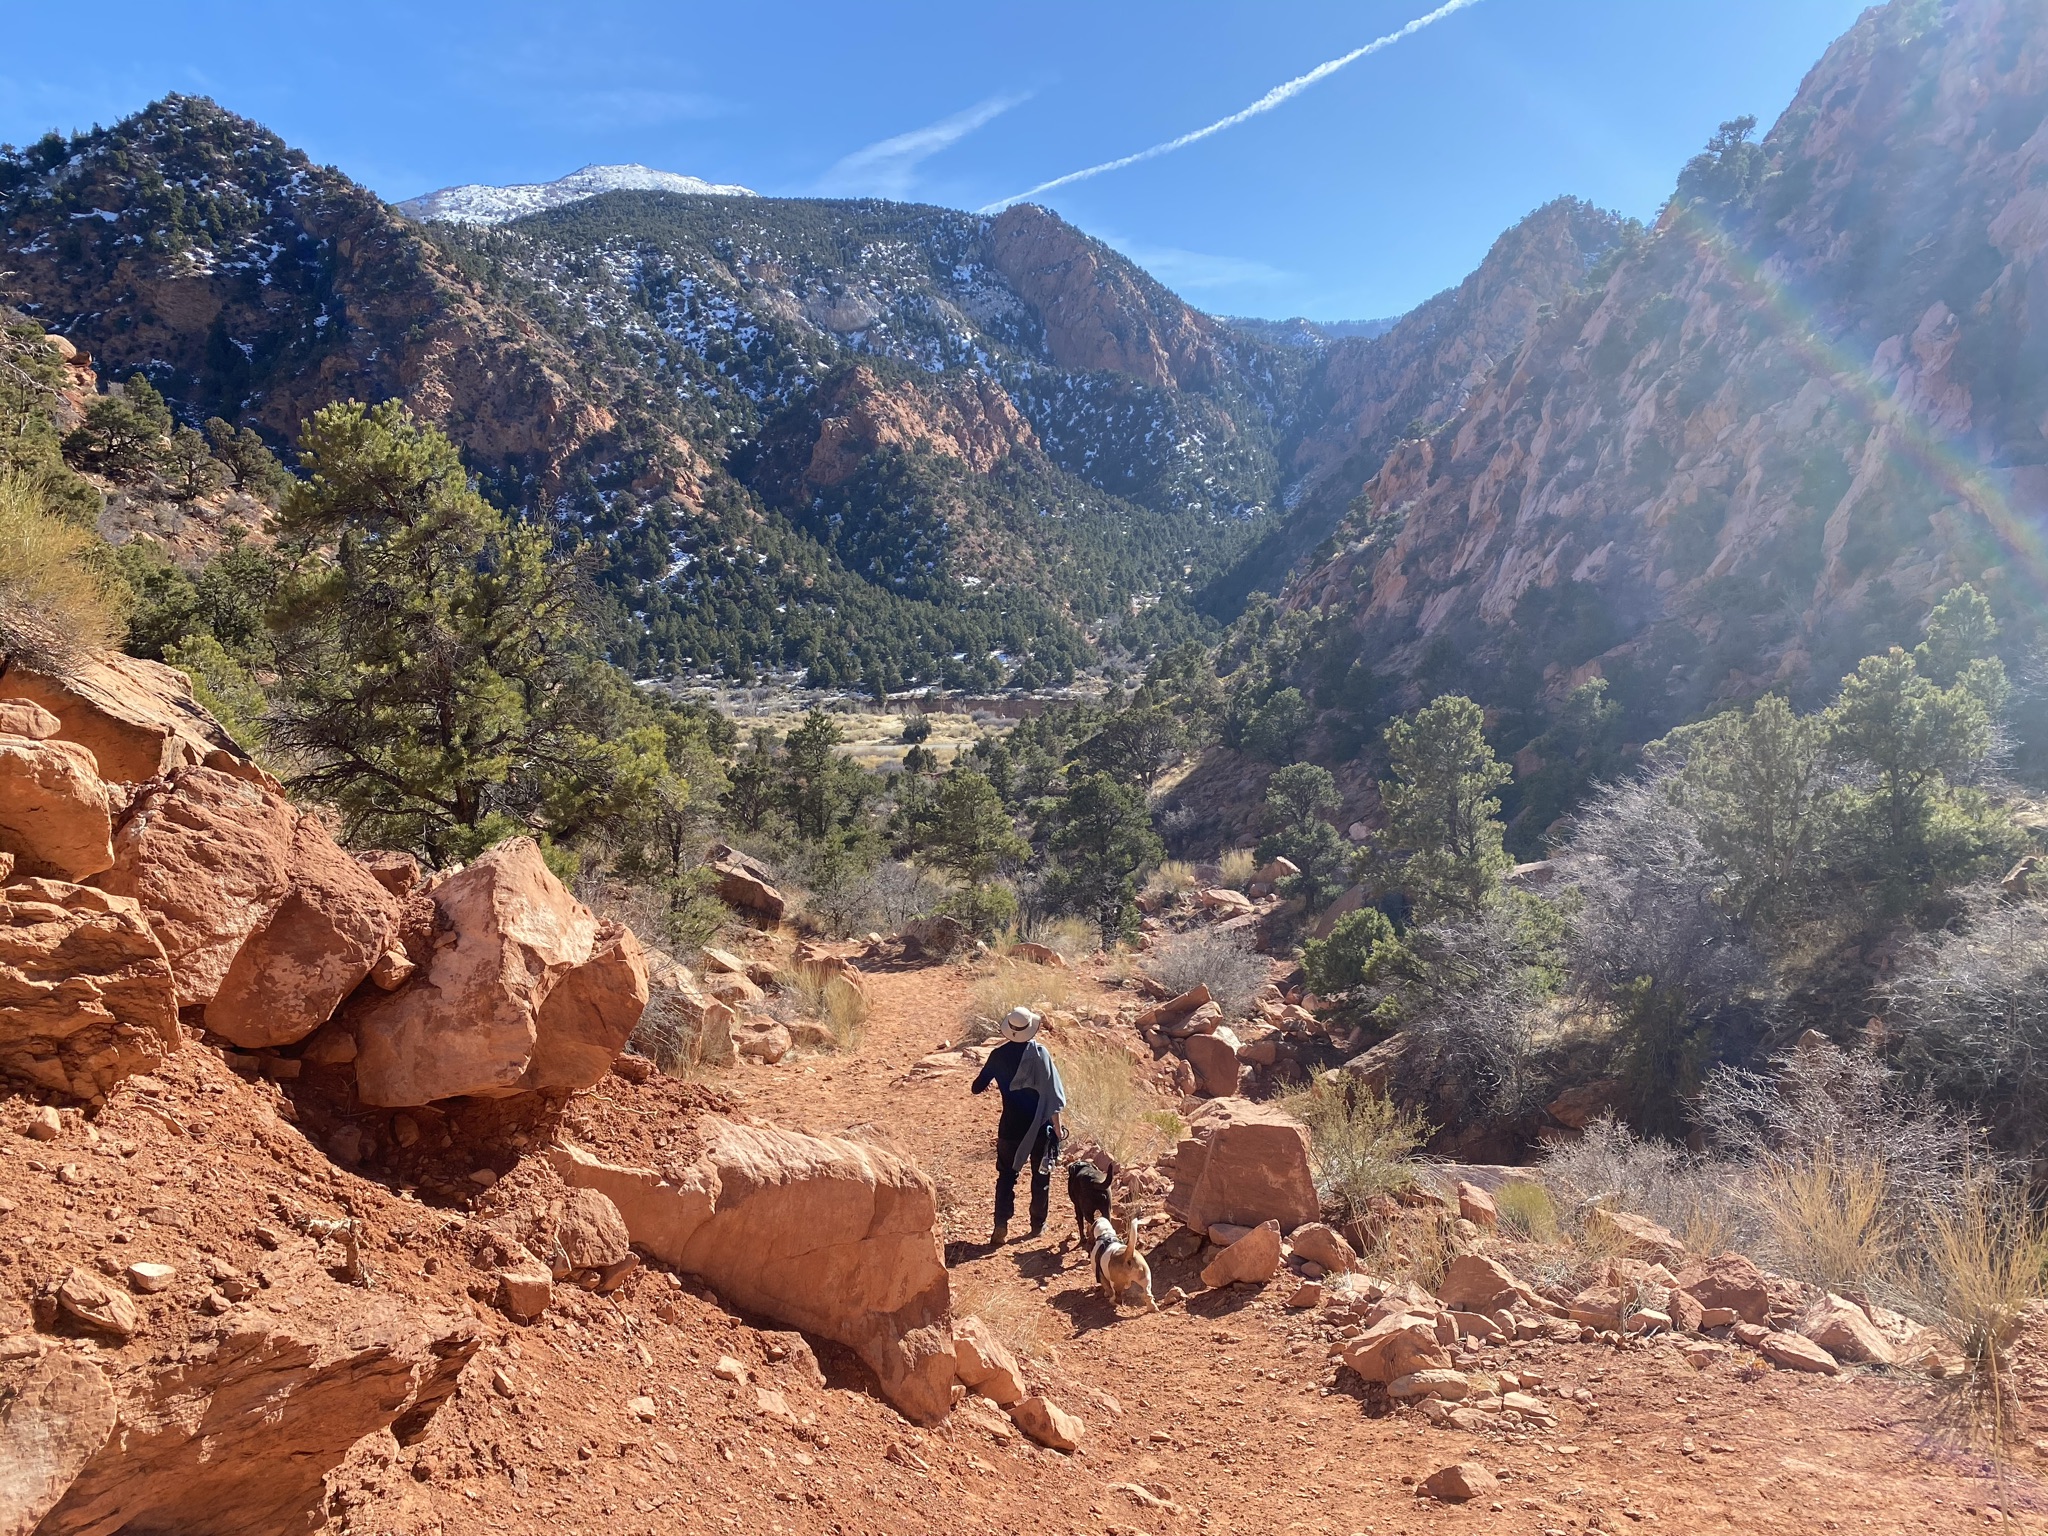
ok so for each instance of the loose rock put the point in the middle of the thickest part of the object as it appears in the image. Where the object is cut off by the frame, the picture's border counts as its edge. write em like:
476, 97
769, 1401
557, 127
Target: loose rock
1048, 1424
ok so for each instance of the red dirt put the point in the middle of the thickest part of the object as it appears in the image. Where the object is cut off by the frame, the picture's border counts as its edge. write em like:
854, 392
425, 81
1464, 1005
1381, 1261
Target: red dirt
1223, 1416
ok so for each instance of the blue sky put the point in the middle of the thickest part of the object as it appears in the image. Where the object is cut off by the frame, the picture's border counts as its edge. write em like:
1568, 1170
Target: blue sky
1358, 197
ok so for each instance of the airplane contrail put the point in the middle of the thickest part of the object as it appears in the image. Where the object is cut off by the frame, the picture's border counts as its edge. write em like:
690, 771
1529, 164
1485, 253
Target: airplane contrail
1265, 103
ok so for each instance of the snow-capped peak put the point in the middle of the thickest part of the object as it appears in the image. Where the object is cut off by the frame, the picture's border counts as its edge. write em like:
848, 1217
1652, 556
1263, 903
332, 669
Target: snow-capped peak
479, 204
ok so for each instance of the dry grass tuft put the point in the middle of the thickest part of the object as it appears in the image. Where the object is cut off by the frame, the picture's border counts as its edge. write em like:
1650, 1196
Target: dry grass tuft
1526, 1210
1360, 1141
1176, 877
1238, 865
59, 599
818, 993
1073, 939
1980, 1267
1020, 984
1830, 1218
1110, 1104
1014, 1316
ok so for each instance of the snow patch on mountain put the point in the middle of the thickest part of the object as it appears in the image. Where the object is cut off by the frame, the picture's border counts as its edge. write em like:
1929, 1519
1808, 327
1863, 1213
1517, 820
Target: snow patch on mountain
480, 204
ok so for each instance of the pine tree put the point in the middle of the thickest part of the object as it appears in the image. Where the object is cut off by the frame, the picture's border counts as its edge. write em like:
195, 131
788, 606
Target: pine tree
433, 670
1102, 845
1299, 798
970, 836
1442, 843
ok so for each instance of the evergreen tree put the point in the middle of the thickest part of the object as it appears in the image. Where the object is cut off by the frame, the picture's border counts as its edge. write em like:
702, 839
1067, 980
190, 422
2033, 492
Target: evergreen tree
1299, 798
821, 791
970, 835
250, 464
1102, 845
123, 433
1136, 744
190, 466
1754, 782
750, 797
1913, 738
433, 673
1442, 844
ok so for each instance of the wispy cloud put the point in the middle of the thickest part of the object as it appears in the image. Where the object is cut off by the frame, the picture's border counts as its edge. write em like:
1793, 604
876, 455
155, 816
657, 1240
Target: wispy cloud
1266, 103
888, 168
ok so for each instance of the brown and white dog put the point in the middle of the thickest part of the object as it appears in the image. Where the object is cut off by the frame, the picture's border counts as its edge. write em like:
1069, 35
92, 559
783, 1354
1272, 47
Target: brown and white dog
1118, 1264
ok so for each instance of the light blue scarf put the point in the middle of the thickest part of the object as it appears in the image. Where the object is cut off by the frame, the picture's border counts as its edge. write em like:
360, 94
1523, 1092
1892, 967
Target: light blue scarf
1036, 1071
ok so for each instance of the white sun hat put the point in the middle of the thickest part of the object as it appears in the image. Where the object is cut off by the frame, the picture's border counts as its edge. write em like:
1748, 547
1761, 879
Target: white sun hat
1020, 1024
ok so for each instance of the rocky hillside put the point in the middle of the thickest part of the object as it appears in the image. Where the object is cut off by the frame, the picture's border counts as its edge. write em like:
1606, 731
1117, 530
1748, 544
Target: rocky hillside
1777, 425
974, 436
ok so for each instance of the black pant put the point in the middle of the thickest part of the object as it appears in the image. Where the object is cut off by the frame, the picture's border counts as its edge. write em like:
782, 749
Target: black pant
1043, 1156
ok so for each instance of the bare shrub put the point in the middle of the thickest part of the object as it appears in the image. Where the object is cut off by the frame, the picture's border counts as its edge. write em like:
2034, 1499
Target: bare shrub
1847, 1109
1469, 1009
1652, 946
1109, 1103
59, 598
900, 892
1227, 965
1360, 1142
1609, 1165
1969, 1006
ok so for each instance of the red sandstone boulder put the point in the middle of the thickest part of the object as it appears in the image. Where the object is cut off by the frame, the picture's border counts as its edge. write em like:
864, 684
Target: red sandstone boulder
1215, 1062
1398, 1345
1728, 1280
1242, 1163
267, 923
335, 925
137, 718
53, 807
398, 873
681, 1027
237, 1438
1252, 1260
745, 883
56, 1410
587, 1020
837, 1238
86, 997
477, 1018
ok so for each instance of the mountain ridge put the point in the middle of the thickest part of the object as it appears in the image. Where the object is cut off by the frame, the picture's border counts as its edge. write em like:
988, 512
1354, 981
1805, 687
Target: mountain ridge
487, 203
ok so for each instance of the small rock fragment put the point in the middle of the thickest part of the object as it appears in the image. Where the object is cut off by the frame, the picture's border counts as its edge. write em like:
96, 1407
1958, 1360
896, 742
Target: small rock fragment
1459, 1482
148, 1279
1048, 1424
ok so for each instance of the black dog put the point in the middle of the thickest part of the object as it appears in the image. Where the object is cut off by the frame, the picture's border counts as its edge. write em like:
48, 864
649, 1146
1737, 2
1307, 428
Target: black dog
1089, 1186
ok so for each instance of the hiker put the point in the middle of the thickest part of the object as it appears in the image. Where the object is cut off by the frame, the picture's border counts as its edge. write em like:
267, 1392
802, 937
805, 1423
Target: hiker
1031, 1124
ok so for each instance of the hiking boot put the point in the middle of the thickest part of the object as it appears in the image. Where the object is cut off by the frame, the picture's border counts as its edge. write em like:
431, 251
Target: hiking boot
1000, 1236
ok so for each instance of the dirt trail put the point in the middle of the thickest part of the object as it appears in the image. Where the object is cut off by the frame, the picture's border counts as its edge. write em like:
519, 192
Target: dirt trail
1224, 1411
616, 1415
